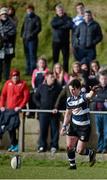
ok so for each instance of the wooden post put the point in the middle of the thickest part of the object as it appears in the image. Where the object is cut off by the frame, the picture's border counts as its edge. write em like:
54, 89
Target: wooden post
21, 132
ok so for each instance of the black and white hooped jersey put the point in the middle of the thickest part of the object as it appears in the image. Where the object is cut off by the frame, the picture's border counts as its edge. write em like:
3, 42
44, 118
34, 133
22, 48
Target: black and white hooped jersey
77, 20
80, 109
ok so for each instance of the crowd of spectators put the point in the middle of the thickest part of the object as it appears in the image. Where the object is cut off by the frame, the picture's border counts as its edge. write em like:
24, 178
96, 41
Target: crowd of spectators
50, 88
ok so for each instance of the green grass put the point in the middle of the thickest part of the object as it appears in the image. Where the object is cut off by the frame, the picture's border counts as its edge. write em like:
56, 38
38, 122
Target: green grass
51, 169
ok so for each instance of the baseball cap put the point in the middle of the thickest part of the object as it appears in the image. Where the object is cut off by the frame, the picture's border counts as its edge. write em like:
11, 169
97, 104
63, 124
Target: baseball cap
14, 72
3, 10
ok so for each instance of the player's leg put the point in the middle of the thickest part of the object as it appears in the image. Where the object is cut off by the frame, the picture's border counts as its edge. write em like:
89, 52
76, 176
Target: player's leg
71, 142
83, 150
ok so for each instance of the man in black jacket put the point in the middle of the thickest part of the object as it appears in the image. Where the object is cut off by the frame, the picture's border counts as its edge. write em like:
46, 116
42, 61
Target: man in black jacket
45, 98
61, 25
87, 35
29, 32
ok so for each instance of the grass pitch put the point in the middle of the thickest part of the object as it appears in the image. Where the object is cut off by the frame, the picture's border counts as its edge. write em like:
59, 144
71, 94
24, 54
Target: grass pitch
32, 168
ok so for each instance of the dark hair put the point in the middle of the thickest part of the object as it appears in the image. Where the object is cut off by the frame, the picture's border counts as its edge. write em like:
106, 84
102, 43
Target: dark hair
30, 6
88, 11
75, 83
79, 4
96, 62
49, 73
13, 9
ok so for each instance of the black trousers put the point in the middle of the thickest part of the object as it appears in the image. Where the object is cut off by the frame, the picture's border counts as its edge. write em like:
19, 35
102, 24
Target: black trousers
46, 120
13, 138
64, 48
5, 65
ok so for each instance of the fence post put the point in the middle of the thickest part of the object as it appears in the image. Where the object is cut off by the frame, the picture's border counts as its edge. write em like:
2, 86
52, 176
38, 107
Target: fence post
22, 132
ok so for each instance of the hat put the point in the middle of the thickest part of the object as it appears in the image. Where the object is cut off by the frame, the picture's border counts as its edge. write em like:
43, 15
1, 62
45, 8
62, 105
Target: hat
14, 72
3, 10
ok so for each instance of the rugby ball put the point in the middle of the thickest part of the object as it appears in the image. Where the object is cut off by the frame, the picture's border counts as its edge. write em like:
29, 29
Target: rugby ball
16, 162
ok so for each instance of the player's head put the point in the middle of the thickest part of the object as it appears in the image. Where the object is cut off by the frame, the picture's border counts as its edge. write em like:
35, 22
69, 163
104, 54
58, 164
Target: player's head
75, 87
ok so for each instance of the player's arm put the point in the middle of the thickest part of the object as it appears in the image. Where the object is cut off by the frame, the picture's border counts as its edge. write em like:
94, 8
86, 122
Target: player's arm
92, 92
67, 118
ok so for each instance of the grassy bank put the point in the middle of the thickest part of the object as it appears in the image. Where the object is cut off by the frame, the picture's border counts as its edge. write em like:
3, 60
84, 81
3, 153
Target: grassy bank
45, 9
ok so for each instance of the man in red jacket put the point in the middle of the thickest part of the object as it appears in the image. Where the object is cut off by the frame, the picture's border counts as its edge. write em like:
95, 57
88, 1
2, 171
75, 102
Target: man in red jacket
14, 96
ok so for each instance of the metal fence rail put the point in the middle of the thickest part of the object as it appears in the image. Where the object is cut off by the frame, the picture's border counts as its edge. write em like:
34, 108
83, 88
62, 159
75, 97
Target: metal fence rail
22, 123
60, 111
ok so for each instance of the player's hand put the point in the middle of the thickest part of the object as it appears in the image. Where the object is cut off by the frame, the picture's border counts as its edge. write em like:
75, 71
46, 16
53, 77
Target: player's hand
63, 131
96, 88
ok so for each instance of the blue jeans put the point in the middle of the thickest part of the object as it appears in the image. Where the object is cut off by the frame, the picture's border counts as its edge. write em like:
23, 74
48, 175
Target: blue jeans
30, 49
101, 126
46, 120
84, 54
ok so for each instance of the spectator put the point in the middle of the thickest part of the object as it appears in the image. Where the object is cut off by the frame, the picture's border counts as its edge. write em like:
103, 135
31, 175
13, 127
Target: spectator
12, 14
100, 104
61, 25
45, 98
14, 96
94, 71
87, 35
61, 76
76, 69
40, 72
94, 68
7, 48
38, 77
85, 70
30, 29
79, 18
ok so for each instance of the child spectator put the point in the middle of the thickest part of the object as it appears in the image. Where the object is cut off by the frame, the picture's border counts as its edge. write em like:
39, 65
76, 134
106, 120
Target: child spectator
38, 76
61, 76
39, 73
94, 68
76, 69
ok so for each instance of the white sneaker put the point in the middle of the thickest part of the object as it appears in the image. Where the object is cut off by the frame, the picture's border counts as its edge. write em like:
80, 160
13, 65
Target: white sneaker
41, 149
53, 150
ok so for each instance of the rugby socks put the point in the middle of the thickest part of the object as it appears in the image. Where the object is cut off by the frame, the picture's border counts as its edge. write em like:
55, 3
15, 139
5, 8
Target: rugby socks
87, 151
71, 158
